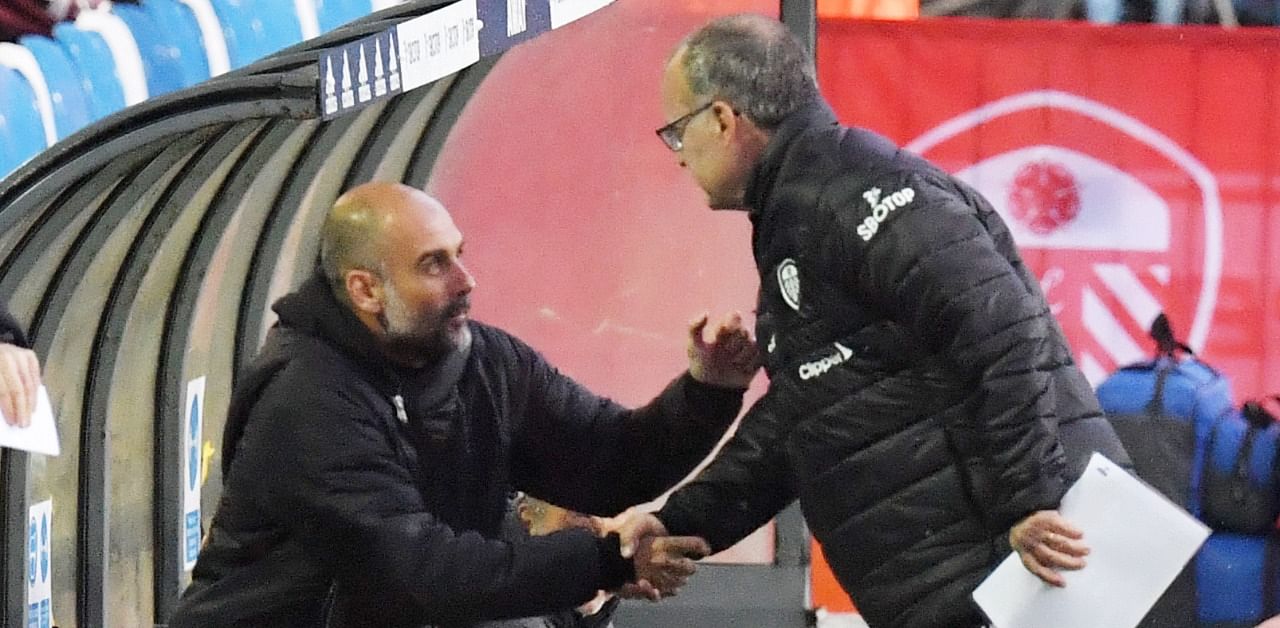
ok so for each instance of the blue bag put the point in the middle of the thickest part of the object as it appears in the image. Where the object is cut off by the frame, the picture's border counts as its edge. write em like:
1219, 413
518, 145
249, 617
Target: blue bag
1240, 489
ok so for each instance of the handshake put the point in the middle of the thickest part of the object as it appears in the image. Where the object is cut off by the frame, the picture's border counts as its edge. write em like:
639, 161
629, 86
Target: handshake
663, 563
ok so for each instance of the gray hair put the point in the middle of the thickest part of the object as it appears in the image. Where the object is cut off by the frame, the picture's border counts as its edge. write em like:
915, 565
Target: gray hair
753, 62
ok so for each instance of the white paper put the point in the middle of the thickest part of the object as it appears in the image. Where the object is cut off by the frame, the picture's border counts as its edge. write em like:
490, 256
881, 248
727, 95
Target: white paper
40, 437
1138, 542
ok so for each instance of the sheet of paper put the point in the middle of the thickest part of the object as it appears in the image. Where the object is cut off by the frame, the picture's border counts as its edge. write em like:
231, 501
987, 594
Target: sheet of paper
1138, 542
40, 437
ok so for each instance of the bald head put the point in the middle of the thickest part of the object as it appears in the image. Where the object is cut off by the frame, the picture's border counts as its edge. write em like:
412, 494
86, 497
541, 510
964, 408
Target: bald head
354, 235
392, 254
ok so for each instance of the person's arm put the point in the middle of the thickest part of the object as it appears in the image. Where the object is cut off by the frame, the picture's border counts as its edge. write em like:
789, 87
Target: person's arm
589, 454
323, 465
746, 485
19, 373
933, 268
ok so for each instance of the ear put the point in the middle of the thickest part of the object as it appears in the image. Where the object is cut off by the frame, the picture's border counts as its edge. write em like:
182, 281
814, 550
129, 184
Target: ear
365, 291
726, 117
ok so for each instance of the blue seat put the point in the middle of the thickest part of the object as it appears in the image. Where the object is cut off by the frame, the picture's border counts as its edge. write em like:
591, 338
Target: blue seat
335, 13
96, 67
156, 45
257, 28
176, 20
70, 105
21, 130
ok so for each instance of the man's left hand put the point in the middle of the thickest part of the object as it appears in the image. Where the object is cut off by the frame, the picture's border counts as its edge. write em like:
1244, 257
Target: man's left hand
729, 360
1046, 543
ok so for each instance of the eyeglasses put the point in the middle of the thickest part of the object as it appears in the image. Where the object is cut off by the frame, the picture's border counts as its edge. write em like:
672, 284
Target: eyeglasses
673, 134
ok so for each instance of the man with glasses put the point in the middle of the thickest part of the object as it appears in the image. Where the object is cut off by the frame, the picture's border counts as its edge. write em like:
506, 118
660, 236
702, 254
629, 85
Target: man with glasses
923, 404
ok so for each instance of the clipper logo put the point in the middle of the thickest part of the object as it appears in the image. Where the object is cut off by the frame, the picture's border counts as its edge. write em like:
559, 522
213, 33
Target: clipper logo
880, 209
789, 282
1113, 243
810, 370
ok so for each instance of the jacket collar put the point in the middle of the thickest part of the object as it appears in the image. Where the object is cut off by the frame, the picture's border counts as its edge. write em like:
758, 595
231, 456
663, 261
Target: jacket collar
314, 310
815, 114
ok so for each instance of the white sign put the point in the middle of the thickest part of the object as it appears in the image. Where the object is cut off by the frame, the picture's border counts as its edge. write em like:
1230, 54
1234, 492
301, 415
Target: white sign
192, 427
1127, 569
565, 11
437, 44
39, 565
516, 22
40, 437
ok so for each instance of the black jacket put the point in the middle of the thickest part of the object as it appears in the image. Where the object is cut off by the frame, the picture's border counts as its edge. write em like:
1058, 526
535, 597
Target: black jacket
921, 393
336, 513
10, 330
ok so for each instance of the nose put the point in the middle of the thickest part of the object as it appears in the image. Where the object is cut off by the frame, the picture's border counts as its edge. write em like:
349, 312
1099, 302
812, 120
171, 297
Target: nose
465, 281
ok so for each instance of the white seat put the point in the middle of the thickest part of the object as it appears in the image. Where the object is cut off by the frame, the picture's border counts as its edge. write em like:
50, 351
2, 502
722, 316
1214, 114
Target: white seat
21, 59
215, 43
308, 18
124, 49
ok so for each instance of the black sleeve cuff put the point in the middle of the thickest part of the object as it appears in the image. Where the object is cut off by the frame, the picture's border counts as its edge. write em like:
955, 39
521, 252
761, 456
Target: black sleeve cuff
615, 570
709, 400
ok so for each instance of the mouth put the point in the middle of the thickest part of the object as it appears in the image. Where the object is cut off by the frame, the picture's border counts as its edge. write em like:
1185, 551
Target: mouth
458, 313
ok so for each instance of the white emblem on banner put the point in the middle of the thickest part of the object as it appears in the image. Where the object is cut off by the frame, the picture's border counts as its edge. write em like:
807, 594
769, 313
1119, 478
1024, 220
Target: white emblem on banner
1108, 232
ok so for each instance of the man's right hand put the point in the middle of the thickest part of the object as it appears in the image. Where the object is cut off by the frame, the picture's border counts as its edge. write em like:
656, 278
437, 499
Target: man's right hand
663, 563
19, 383
1046, 543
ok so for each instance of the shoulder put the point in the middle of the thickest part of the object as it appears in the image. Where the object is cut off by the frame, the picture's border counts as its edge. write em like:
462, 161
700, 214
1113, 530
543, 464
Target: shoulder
498, 348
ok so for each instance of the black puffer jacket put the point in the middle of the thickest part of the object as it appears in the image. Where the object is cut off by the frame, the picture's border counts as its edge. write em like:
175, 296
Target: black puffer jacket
10, 330
336, 513
921, 393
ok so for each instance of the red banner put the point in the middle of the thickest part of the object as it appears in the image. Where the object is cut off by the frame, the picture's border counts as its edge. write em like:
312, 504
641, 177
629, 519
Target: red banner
1139, 167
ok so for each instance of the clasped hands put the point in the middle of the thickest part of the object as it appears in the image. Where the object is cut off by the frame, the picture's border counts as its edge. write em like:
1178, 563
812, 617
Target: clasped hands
663, 563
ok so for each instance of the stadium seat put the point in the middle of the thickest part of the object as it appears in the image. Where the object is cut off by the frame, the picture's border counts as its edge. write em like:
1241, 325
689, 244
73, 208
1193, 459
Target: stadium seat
211, 35
130, 70
21, 130
335, 13
256, 28
21, 60
158, 48
70, 106
186, 37
97, 70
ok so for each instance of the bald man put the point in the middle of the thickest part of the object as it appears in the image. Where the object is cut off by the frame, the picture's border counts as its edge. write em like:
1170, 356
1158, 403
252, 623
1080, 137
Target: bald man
370, 447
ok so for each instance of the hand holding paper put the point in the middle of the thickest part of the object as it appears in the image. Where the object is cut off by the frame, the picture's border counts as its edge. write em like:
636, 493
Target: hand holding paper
1047, 542
1129, 565
40, 436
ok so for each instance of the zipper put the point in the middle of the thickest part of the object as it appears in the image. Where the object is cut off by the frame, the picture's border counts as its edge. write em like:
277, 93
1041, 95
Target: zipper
398, 402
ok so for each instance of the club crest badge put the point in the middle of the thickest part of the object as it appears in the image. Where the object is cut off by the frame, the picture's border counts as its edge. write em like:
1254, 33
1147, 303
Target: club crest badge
789, 283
